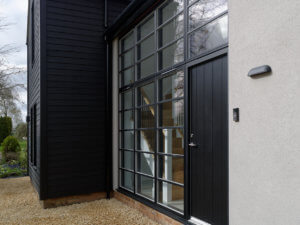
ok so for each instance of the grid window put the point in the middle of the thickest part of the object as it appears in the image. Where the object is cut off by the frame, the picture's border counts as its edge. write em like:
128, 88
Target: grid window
208, 26
151, 61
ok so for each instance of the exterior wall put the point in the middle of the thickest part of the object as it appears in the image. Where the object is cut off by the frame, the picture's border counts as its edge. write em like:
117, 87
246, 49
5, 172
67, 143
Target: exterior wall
76, 98
264, 146
76, 122
34, 77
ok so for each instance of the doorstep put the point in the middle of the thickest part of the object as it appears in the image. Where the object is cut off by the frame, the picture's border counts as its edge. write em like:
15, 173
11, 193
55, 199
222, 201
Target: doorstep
145, 210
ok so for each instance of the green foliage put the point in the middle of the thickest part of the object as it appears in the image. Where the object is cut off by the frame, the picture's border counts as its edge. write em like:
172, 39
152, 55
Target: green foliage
23, 157
6, 171
5, 127
21, 131
10, 149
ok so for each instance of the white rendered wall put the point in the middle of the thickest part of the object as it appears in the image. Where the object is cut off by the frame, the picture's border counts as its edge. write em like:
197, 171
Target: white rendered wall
115, 92
264, 147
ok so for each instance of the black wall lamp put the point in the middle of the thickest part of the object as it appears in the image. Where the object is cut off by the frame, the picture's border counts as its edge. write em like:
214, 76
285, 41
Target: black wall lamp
259, 70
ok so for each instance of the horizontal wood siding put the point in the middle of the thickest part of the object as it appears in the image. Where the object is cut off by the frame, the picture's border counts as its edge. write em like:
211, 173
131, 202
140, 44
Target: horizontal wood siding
76, 97
115, 8
34, 72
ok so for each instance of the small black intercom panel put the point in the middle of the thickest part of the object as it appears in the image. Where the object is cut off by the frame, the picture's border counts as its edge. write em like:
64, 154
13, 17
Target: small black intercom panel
236, 114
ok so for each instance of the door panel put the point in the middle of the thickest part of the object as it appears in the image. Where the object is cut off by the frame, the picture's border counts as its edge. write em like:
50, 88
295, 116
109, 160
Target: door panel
209, 130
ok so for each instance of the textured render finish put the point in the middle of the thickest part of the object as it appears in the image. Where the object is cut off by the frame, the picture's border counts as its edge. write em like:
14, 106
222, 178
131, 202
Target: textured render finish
264, 147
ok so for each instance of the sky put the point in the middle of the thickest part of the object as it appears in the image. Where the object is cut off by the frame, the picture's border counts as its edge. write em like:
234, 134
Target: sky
15, 13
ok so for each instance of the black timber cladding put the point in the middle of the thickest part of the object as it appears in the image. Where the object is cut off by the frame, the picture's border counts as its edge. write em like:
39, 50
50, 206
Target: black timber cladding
34, 79
76, 95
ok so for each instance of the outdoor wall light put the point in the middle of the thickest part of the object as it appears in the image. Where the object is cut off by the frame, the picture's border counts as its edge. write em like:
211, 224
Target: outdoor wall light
259, 70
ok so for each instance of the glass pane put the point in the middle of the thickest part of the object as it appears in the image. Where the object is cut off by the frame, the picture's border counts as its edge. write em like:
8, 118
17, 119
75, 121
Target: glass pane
127, 59
145, 94
127, 42
172, 86
171, 141
127, 179
209, 37
191, 1
170, 9
146, 28
171, 114
171, 195
126, 100
127, 140
128, 76
127, 160
171, 168
127, 120
145, 163
204, 10
146, 47
145, 186
171, 55
146, 67
146, 140
146, 117
171, 31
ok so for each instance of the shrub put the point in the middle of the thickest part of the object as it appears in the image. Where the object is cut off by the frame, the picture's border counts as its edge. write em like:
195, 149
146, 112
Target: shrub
5, 128
10, 149
23, 158
21, 131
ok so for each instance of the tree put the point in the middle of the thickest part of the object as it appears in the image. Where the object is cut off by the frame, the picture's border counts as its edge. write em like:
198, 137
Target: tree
8, 87
5, 128
21, 131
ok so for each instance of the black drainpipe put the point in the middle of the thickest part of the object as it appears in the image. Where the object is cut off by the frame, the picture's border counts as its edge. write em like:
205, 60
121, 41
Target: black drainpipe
108, 110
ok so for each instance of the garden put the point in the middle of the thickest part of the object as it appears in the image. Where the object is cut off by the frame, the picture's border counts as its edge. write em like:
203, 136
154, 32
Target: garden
13, 149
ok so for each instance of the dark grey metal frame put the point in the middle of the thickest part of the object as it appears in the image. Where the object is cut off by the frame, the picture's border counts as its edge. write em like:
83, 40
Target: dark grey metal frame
185, 66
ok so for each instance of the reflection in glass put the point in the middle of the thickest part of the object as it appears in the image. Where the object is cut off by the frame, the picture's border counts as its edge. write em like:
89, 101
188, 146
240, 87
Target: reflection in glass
204, 10
146, 28
171, 168
171, 141
170, 9
171, 114
146, 140
127, 76
145, 186
127, 59
127, 179
171, 55
171, 86
127, 160
127, 140
145, 163
145, 94
171, 195
171, 31
127, 99
146, 47
127, 42
146, 67
146, 117
127, 120
209, 37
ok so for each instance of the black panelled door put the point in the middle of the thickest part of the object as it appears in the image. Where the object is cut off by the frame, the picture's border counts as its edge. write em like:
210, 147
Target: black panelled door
208, 141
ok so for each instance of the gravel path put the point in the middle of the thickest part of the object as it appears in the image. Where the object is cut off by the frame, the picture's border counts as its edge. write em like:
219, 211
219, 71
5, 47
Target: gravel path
20, 205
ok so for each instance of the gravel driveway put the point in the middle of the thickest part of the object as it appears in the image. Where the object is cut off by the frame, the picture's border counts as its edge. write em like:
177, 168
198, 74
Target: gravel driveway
19, 204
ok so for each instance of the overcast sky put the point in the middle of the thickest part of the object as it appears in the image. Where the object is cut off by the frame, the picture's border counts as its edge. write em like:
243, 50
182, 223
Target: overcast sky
15, 12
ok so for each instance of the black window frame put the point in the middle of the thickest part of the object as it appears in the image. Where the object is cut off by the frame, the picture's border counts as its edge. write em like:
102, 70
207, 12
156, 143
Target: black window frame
161, 72
33, 136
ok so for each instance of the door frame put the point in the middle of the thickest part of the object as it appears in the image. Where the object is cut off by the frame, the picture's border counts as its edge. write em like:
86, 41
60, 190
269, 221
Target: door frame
187, 165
